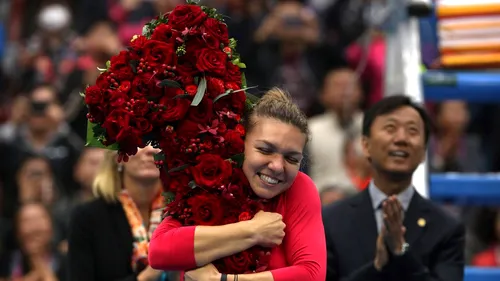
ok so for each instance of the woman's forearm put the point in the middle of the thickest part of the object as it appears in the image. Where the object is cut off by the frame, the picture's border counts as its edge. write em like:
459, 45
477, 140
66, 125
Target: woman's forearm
215, 242
177, 248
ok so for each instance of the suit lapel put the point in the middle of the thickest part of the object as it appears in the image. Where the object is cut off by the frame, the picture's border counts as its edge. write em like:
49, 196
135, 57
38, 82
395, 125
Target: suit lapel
365, 225
416, 218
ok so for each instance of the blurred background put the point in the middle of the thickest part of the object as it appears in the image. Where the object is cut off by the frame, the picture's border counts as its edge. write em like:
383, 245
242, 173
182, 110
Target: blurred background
50, 50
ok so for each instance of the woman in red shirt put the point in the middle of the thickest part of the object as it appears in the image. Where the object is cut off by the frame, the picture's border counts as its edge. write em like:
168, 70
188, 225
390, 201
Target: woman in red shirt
277, 132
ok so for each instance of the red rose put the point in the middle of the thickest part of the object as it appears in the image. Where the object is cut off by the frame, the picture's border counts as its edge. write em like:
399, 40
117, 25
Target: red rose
239, 185
196, 44
137, 44
165, 33
178, 183
145, 85
93, 95
202, 113
118, 99
124, 87
96, 113
186, 16
173, 110
216, 29
157, 53
188, 129
238, 101
191, 90
115, 122
102, 81
129, 140
212, 61
206, 209
120, 68
215, 87
233, 73
211, 171
232, 86
143, 125
240, 129
140, 107
234, 142
238, 263
245, 216
186, 71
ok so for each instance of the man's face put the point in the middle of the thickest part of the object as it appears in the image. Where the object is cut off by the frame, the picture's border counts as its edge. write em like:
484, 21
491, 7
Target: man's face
396, 144
41, 101
341, 90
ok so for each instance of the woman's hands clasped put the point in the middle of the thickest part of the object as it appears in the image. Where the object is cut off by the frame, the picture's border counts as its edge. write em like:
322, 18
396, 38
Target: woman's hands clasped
268, 229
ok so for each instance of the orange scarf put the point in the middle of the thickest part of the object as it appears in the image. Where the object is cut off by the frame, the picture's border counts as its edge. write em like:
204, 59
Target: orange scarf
140, 234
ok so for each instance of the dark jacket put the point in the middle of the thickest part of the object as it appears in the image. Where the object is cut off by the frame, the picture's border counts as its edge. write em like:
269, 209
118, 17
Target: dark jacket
100, 243
436, 243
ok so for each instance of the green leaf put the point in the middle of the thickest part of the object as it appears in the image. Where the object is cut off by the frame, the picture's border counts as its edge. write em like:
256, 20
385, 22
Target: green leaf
178, 169
238, 158
169, 196
192, 185
133, 64
186, 96
169, 83
95, 134
202, 87
253, 99
223, 95
243, 80
159, 156
241, 65
82, 94
108, 64
230, 91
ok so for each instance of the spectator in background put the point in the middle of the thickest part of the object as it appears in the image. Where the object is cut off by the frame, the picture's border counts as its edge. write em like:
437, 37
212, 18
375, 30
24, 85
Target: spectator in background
487, 230
44, 133
48, 56
341, 96
85, 172
129, 16
109, 236
356, 165
451, 149
288, 52
331, 194
35, 258
96, 47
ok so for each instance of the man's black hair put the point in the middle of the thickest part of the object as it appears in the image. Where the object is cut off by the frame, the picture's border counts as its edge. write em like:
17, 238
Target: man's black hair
390, 104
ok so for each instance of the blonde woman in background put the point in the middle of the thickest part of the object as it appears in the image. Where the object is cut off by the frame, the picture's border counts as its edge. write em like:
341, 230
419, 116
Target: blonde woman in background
109, 236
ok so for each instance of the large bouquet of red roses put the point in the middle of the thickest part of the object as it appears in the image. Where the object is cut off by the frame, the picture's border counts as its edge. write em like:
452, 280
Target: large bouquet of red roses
179, 87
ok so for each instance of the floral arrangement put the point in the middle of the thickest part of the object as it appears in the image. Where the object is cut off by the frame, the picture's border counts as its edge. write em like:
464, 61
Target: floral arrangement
179, 87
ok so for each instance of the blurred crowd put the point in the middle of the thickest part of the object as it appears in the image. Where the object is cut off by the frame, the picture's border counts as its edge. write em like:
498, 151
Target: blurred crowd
50, 51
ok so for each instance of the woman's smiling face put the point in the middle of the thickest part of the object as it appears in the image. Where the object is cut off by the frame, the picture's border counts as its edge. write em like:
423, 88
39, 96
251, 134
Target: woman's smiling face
273, 152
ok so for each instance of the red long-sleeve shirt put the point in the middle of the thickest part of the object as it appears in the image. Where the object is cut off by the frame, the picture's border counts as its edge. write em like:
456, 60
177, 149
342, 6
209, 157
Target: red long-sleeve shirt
301, 256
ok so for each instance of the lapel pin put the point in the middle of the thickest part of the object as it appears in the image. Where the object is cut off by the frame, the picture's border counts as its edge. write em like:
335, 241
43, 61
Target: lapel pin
421, 222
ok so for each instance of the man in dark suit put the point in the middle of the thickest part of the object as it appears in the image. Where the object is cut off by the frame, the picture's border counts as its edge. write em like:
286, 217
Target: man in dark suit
388, 231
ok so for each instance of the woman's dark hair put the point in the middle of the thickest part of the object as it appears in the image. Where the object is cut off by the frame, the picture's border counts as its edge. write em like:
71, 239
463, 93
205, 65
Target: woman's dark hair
390, 104
277, 104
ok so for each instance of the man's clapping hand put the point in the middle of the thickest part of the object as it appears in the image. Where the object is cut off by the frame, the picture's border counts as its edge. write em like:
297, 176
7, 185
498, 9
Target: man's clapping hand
393, 222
